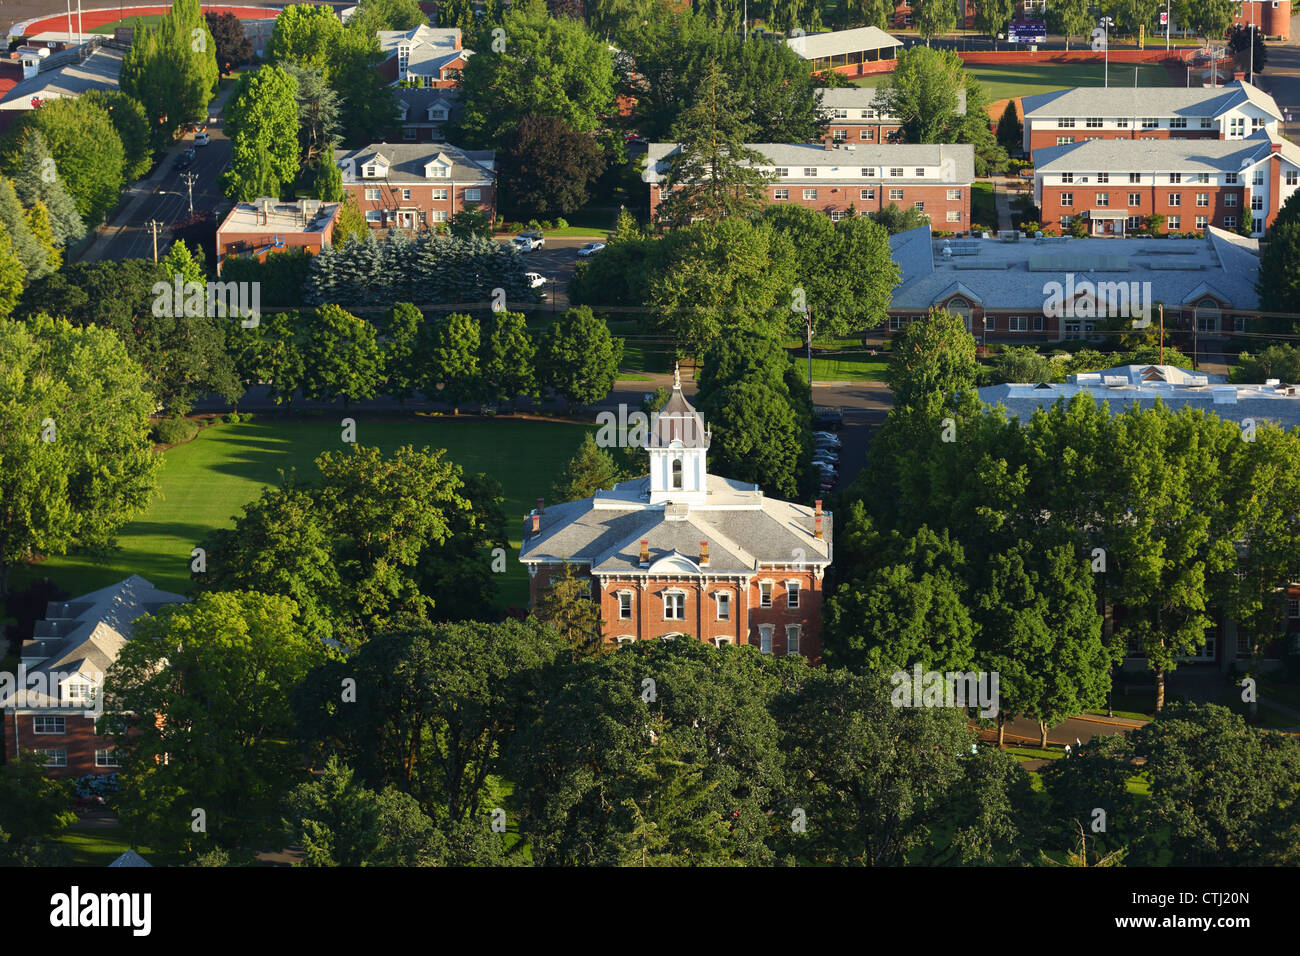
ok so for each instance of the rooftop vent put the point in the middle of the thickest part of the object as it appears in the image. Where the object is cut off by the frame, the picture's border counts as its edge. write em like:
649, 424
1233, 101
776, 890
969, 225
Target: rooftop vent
1224, 394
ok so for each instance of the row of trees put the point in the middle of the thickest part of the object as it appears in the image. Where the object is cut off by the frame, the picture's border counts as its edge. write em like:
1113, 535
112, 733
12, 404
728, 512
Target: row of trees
330, 354
734, 758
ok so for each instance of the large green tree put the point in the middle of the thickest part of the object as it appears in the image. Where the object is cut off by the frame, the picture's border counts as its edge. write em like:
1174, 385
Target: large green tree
341, 357
549, 67
89, 159
578, 357
934, 356
451, 359
203, 692
76, 463
171, 69
545, 166
27, 159
262, 119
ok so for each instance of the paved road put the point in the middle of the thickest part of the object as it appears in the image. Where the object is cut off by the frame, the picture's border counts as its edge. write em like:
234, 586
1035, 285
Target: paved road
164, 196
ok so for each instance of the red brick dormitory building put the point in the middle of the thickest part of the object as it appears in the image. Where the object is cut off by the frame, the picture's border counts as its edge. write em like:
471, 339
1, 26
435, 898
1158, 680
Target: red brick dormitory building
936, 179
682, 552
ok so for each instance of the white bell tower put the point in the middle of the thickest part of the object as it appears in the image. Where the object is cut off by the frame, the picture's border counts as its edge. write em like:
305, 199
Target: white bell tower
678, 446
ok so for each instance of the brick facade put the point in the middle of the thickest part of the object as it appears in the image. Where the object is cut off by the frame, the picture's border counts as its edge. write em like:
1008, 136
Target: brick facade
746, 616
78, 742
415, 206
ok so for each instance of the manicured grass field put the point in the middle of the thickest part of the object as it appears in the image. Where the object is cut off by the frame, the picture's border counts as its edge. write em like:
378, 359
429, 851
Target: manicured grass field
1001, 81
99, 846
852, 367
983, 208
206, 482
148, 20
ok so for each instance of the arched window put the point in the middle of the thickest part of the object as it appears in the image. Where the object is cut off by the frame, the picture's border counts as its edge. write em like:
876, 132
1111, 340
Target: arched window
677, 473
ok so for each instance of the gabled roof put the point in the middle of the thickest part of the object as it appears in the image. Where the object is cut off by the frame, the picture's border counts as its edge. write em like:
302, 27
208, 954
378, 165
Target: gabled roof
817, 45
1159, 101
85, 635
407, 162
1155, 155
863, 98
956, 160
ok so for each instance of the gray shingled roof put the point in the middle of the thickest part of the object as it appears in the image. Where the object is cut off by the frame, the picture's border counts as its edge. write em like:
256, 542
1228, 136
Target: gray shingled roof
1011, 275
99, 71
605, 531
1155, 155
86, 634
407, 162
1160, 101
863, 98
838, 165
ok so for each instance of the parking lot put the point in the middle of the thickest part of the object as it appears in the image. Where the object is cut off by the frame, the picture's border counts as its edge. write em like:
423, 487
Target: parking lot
555, 263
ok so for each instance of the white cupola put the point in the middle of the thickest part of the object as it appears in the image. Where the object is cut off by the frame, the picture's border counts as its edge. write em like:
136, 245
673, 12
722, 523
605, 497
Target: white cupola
678, 446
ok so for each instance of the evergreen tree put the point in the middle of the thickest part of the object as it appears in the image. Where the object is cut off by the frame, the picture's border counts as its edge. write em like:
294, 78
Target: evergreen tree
35, 260
590, 470
714, 174
11, 275
38, 220
1010, 129
35, 178
567, 606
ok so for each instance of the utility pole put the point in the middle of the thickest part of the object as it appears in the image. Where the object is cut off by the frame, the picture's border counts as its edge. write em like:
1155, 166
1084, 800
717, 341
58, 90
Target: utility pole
808, 319
153, 225
190, 179
1161, 307
1252, 53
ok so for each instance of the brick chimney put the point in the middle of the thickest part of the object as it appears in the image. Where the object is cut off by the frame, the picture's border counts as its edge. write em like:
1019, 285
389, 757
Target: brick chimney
704, 554
1239, 77
537, 522
645, 553
817, 520
541, 506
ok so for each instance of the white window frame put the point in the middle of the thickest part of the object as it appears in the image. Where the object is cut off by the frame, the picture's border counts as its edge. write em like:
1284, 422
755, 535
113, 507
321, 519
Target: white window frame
765, 638
793, 632
722, 605
765, 593
621, 595
677, 602
54, 758
107, 757
792, 589
474, 195
42, 724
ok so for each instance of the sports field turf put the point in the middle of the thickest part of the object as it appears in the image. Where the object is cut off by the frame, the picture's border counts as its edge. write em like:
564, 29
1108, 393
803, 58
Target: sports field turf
1002, 81
206, 482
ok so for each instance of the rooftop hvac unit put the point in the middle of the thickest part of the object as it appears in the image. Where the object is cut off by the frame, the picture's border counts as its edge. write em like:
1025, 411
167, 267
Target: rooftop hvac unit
1198, 381
1273, 382
1225, 395
1088, 378
1115, 381
1009, 235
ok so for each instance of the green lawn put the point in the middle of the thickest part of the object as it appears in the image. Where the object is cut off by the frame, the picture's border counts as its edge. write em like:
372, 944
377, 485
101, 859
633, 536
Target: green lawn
148, 20
850, 367
647, 356
983, 208
99, 847
206, 482
1001, 81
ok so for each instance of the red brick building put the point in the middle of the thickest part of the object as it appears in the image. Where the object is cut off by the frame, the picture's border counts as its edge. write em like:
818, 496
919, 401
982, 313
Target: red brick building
418, 187
854, 116
935, 179
1233, 111
267, 225
681, 552
426, 57
1193, 183
53, 707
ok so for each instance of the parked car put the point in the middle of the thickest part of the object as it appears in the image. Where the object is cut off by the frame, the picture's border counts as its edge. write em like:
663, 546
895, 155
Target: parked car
832, 460
590, 249
528, 241
185, 159
535, 279
202, 139
827, 417
827, 443
827, 436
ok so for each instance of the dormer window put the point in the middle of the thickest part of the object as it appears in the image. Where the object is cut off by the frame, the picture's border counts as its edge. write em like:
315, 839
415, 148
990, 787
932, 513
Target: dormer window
374, 170
436, 169
437, 114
